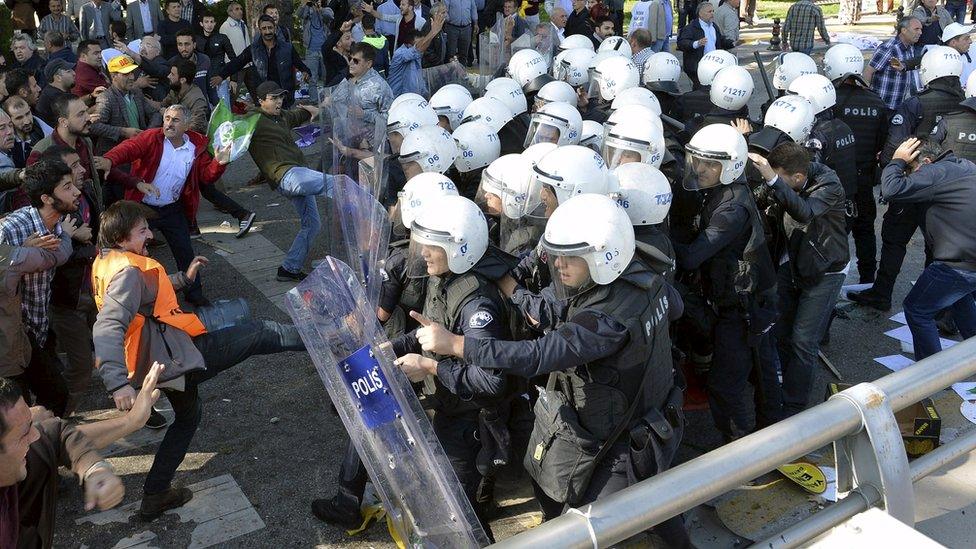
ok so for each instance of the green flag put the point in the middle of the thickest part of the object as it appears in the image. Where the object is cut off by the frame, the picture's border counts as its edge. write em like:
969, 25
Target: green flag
226, 127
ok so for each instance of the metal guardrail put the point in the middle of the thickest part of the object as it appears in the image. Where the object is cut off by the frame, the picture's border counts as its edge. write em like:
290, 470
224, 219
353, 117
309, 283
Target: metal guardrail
652, 501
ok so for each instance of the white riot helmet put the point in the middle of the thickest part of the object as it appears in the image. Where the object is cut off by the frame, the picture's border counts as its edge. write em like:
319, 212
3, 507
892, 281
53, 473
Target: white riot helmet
636, 96
817, 89
488, 110
421, 189
557, 123
662, 72
711, 63
526, 65
507, 178
598, 58
592, 135
571, 170
477, 145
595, 229
843, 60
534, 153
572, 66
431, 147
731, 88
407, 98
633, 112
613, 76
791, 66
450, 102
575, 41
410, 115
618, 44
555, 92
939, 61
971, 85
633, 140
792, 115
453, 224
643, 192
716, 155
509, 92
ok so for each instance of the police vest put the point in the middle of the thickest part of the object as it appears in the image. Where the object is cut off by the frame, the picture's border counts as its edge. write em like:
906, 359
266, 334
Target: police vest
937, 101
446, 298
836, 145
165, 309
695, 103
866, 115
961, 134
413, 289
601, 391
655, 250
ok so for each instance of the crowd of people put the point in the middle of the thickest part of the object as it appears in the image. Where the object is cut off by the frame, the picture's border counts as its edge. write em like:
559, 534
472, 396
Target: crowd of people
572, 236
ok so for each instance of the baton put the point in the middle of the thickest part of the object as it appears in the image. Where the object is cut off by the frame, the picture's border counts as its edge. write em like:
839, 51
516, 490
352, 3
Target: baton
765, 77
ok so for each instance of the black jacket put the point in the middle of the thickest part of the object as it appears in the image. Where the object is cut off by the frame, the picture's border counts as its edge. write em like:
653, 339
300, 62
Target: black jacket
217, 47
578, 23
71, 286
814, 223
691, 33
948, 187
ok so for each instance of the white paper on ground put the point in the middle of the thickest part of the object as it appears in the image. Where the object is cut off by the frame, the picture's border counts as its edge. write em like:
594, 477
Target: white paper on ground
968, 410
894, 362
853, 288
830, 494
963, 389
904, 334
899, 318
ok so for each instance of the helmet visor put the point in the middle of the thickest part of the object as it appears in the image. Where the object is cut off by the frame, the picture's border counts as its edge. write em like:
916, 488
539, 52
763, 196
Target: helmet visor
701, 172
520, 236
427, 254
544, 130
568, 268
488, 197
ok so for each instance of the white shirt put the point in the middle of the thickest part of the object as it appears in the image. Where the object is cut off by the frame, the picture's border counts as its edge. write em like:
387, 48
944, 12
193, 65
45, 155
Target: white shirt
174, 166
639, 16
968, 64
709, 29
560, 33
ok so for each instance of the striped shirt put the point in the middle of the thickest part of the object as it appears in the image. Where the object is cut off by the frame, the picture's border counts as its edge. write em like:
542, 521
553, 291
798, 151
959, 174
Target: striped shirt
62, 24
35, 288
893, 86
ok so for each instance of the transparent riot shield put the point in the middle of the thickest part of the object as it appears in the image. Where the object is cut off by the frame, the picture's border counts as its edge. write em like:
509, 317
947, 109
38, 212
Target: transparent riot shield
491, 53
379, 409
348, 132
363, 234
374, 169
452, 72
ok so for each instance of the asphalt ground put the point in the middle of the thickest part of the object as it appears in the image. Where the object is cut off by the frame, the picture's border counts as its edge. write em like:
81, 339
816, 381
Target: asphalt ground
268, 421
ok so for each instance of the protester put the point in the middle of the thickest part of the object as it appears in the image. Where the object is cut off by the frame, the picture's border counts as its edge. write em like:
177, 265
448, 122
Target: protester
405, 67
699, 37
88, 74
886, 73
802, 19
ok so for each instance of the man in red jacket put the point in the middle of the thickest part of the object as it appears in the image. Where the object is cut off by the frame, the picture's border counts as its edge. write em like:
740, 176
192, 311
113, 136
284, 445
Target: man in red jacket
175, 162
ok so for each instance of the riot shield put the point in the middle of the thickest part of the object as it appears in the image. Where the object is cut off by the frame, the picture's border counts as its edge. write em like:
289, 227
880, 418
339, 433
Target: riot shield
491, 53
363, 233
452, 72
379, 409
349, 132
374, 169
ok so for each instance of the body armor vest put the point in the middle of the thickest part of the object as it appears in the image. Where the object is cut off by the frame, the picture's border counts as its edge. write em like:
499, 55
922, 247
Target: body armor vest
939, 99
961, 133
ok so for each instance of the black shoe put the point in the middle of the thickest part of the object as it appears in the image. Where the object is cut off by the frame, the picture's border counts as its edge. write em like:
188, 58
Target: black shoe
870, 299
246, 224
198, 302
284, 275
195, 233
156, 504
337, 514
156, 420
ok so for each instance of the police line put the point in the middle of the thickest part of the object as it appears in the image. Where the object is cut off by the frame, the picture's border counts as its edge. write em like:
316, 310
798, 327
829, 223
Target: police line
635, 509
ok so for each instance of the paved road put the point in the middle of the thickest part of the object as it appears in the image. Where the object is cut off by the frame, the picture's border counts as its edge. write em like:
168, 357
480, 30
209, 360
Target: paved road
281, 464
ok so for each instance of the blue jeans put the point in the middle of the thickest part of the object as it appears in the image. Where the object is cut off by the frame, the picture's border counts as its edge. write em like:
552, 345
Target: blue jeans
659, 45
804, 314
301, 185
220, 350
940, 287
957, 11
313, 59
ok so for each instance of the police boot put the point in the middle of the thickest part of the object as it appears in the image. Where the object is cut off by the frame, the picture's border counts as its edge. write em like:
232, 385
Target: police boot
337, 512
871, 299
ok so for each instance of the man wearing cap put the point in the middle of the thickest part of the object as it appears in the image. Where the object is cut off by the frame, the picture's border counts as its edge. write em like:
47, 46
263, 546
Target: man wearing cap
959, 37
269, 55
122, 113
60, 77
280, 160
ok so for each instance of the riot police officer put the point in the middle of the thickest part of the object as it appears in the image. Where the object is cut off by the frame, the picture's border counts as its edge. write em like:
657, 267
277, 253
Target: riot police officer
449, 245
957, 130
696, 103
477, 146
736, 277
645, 194
831, 141
868, 117
660, 75
728, 97
610, 374
610, 77
940, 69
789, 67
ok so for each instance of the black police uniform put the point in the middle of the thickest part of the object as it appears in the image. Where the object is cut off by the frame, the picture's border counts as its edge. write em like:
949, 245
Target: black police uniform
917, 115
468, 304
597, 360
715, 115
738, 282
868, 117
512, 135
832, 144
655, 250
694, 104
957, 130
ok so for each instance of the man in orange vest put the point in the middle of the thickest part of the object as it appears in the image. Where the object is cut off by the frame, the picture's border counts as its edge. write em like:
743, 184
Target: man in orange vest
140, 322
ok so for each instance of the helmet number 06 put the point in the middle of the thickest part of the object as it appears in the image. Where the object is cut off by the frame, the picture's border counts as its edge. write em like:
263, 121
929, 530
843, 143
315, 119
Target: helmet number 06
433, 158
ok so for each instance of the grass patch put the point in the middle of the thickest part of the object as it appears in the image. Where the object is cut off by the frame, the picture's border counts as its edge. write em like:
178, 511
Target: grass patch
770, 10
